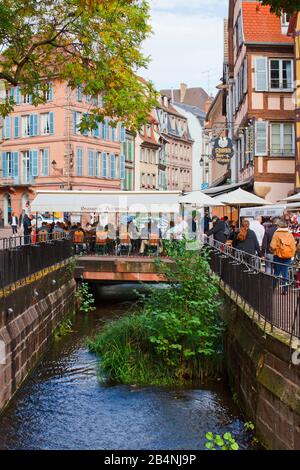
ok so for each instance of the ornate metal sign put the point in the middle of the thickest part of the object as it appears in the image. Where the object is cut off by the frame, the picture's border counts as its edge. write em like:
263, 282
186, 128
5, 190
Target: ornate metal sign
223, 150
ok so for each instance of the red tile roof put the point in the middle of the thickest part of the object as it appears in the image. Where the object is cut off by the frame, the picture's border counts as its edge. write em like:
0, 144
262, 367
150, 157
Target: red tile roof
262, 26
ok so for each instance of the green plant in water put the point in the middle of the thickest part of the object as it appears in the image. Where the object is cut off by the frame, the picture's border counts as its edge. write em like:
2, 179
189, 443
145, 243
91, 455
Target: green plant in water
64, 328
176, 335
85, 298
218, 442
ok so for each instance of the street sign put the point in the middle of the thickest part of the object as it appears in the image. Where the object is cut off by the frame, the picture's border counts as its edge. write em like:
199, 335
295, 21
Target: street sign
223, 150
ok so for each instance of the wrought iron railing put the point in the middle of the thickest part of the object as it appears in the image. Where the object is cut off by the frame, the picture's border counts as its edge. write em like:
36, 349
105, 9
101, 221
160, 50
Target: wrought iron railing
21, 257
273, 298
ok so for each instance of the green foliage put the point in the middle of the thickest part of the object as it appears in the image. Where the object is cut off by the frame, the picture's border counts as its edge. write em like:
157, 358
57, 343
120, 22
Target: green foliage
277, 6
176, 336
85, 298
217, 442
249, 426
64, 328
96, 44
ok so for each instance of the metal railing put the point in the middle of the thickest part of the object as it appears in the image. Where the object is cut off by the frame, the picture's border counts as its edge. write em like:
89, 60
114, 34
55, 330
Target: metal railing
274, 298
21, 257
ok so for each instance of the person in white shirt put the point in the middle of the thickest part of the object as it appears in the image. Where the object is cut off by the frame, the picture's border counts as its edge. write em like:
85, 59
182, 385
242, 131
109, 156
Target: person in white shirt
257, 227
14, 223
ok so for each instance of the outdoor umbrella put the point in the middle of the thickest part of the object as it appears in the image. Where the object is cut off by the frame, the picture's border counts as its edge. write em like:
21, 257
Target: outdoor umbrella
241, 198
295, 198
198, 198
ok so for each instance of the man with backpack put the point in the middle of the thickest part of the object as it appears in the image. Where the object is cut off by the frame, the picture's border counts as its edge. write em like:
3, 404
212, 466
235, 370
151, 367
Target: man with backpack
283, 246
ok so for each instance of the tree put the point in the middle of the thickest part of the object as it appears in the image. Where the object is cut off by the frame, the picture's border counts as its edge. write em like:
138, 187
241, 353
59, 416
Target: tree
95, 44
277, 6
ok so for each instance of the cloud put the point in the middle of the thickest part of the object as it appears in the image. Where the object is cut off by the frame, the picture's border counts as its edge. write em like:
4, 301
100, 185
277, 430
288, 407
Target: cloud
187, 44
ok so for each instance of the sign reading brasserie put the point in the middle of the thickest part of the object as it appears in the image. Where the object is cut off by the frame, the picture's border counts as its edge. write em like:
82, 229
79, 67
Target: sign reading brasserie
222, 150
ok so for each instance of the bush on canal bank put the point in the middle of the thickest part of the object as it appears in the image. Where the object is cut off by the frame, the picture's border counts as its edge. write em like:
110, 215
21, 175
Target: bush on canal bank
175, 336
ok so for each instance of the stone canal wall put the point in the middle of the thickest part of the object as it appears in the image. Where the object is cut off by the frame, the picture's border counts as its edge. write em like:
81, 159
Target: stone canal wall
263, 377
30, 311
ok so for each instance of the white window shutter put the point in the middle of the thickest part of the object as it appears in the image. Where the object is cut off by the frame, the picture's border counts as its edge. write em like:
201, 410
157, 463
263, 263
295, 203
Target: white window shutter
261, 74
245, 76
261, 138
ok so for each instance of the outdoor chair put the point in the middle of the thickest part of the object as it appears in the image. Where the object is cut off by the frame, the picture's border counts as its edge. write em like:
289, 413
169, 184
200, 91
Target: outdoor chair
153, 246
78, 242
101, 243
124, 245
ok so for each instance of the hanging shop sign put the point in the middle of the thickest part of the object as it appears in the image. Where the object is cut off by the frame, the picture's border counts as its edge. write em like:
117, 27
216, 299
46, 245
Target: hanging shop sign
223, 150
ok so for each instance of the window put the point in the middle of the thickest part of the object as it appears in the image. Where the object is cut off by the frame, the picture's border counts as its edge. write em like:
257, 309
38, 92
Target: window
25, 126
44, 162
79, 162
77, 122
281, 76
285, 19
239, 28
282, 139
9, 164
45, 124
49, 92
79, 93
27, 99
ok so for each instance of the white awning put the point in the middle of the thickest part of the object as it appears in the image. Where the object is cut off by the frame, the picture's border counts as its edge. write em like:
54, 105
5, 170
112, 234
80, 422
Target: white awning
275, 210
200, 199
241, 198
132, 202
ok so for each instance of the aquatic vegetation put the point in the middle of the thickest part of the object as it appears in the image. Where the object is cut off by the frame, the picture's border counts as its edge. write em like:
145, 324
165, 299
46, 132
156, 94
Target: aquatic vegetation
176, 336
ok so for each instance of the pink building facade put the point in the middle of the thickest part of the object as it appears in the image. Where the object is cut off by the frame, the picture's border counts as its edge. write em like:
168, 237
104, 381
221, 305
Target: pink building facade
42, 148
176, 155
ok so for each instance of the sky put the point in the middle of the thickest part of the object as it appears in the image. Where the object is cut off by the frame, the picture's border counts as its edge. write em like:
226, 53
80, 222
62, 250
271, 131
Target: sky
186, 44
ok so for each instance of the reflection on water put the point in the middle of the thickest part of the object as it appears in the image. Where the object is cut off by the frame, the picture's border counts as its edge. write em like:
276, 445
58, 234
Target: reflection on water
62, 405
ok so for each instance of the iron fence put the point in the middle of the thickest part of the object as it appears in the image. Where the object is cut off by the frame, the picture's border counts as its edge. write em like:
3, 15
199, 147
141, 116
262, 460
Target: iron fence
274, 298
21, 257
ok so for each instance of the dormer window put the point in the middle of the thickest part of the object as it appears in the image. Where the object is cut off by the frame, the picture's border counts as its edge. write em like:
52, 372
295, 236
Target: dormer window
285, 21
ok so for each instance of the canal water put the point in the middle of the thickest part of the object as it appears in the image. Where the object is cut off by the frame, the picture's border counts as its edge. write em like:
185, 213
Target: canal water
63, 406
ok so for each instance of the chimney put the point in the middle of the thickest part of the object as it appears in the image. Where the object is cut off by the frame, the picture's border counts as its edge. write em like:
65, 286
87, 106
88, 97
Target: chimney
183, 88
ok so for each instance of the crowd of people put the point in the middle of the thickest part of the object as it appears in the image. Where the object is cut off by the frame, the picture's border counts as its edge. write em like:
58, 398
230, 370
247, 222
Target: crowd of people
274, 240
109, 239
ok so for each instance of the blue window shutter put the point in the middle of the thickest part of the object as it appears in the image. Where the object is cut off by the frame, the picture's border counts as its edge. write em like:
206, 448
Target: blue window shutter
103, 130
86, 132
51, 120
79, 162
104, 165
96, 131
50, 91
12, 92
75, 122
30, 99
122, 167
33, 163
45, 163
4, 164
6, 131
31, 125
99, 130
113, 134
17, 127
112, 166
122, 133
91, 163
15, 164
97, 164
18, 95
79, 93
35, 121
88, 98
106, 130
